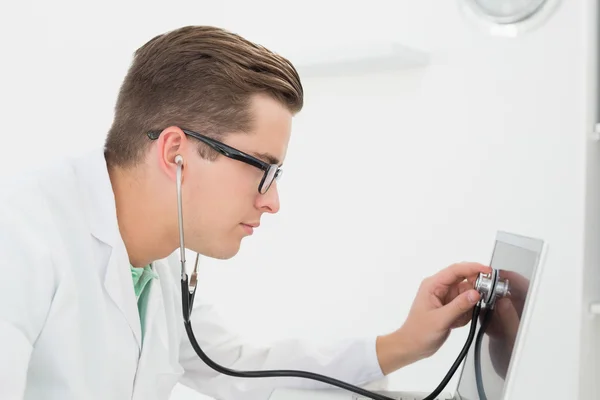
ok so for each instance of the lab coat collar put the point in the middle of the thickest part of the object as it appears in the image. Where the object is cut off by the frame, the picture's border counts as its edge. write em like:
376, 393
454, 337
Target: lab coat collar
99, 205
98, 197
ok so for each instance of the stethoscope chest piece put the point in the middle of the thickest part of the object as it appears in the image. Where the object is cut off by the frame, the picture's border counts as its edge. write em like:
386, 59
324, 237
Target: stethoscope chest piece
491, 287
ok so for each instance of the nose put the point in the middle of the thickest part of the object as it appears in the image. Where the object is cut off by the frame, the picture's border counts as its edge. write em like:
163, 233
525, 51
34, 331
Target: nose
269, 202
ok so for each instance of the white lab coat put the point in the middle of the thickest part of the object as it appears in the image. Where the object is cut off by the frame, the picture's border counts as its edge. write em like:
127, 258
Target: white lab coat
69, 324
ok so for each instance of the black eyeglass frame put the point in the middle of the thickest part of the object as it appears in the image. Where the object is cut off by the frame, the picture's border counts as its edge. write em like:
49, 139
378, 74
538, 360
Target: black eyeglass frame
272, 172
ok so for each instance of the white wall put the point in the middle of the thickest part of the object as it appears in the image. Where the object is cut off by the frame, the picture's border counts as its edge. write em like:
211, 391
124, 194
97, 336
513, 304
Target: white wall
388, 179
590, 339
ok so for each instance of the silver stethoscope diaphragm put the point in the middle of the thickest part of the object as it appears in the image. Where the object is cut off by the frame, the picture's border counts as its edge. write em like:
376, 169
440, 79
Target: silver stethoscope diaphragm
491, 287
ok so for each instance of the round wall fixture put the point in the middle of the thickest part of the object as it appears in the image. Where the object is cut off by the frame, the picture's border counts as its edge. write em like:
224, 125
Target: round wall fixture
509, 17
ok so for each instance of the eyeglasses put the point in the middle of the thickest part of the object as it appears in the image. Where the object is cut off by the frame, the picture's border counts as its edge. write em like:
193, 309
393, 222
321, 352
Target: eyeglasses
272, 172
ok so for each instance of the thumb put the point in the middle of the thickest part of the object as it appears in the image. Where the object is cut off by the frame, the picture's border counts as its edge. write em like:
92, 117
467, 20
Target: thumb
458, 307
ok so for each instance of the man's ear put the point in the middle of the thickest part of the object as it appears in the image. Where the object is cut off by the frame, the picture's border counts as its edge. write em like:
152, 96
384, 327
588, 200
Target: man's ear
170, 144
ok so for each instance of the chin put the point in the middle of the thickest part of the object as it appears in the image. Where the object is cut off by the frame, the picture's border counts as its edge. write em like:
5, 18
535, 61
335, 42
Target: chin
222, 247
222, 253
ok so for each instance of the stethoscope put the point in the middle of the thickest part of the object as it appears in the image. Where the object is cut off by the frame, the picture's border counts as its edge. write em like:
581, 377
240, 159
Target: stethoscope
188, 291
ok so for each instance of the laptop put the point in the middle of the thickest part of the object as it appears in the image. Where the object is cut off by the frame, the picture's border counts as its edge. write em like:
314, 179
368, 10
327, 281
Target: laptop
486, 372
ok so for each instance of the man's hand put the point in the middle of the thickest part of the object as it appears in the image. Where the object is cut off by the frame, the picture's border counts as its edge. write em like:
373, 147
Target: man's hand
444, 301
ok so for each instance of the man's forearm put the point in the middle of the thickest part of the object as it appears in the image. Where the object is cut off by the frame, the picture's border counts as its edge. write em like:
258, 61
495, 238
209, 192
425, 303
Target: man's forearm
394, 351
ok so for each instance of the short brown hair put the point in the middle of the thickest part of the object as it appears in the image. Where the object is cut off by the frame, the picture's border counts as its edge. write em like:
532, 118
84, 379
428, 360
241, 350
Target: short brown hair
196, 77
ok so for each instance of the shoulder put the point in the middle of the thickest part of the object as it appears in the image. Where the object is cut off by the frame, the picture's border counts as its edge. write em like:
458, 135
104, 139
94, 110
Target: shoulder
31, 199
24, 185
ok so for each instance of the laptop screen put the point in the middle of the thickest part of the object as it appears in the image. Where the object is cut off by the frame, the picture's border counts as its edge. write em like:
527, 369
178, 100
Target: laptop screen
486, 365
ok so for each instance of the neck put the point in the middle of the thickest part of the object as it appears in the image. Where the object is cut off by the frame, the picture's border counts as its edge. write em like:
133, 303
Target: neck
140, 217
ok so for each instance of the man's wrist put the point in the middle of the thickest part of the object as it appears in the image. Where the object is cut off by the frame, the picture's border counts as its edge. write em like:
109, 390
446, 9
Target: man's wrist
395, 351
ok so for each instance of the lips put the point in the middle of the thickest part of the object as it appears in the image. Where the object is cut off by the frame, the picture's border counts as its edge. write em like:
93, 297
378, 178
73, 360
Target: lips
249, 228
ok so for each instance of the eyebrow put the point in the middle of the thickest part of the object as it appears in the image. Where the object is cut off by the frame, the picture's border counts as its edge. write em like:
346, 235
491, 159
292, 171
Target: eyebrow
271, 159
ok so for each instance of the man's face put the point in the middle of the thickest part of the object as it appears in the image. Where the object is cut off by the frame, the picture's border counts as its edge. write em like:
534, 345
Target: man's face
221, 202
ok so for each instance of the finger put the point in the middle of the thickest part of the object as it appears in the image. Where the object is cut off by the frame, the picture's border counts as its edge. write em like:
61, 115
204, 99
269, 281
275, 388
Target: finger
455, 290
464, 286
462, 304
459, 272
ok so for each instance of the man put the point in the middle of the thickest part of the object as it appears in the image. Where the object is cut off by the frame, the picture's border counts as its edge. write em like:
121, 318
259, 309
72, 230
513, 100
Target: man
90, 308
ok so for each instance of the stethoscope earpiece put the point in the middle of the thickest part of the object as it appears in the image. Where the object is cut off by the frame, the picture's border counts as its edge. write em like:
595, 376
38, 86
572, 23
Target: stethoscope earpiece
188, 288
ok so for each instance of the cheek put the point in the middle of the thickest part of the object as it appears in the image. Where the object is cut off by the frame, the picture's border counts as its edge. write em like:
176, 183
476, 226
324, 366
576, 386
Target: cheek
228, 193
231, 182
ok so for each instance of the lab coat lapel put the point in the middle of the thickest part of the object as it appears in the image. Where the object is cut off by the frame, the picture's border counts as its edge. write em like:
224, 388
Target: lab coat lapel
159, 367
158, 335
99, 204
156, 327
119, 286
